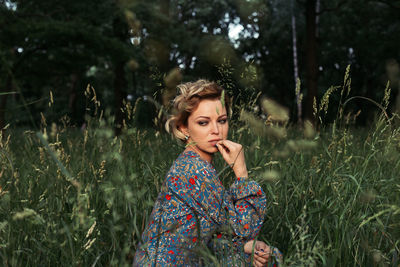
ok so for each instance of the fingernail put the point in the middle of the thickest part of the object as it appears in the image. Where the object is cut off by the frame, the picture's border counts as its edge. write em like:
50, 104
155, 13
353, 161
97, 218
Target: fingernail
256, 252
262, 250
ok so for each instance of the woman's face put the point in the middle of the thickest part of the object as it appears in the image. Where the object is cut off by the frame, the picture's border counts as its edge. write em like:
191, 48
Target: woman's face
207, 124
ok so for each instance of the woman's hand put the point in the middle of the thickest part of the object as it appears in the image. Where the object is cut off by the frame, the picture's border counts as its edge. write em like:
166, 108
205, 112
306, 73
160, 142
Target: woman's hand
262, 252
233, 155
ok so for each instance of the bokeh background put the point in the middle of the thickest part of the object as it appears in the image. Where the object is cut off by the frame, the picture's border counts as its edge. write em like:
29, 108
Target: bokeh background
86, 86
125, 48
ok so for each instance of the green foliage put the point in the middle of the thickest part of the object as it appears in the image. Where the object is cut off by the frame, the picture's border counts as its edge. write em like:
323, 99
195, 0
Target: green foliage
63, 46
83, 197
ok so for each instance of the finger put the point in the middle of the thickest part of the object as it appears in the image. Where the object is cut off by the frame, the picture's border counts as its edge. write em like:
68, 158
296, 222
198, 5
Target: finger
257, 263
221, 149
224, 147
223, 152
260, 245
233, 149
262, 258
229, 144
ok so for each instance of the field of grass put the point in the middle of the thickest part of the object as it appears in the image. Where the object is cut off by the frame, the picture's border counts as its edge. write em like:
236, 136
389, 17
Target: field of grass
75, 197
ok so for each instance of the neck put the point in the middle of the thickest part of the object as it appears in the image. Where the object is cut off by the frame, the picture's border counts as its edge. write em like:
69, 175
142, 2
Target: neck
204, 155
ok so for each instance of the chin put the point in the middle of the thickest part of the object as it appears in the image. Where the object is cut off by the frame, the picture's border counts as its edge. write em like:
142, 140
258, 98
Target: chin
213, 150
209, 150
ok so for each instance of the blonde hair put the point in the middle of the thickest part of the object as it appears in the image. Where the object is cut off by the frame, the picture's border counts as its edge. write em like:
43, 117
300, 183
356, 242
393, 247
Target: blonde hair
188, 99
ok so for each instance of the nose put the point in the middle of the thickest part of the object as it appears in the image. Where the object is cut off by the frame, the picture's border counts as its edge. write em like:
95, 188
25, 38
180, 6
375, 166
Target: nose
214, 128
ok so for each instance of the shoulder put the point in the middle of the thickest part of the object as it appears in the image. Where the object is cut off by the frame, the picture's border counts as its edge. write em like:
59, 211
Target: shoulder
186, 166
188, 162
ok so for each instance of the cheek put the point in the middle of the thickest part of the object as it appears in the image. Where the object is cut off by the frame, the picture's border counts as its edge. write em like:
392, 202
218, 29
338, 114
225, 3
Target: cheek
199, 131
226, 129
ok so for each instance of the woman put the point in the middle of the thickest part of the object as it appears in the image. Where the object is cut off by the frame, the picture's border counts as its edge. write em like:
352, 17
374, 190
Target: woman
193, 211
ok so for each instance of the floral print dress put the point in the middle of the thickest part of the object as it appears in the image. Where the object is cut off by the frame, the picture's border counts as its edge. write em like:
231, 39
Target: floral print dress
195, 213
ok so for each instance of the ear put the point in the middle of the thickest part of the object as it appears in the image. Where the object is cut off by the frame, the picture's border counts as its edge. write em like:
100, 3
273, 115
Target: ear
183, 129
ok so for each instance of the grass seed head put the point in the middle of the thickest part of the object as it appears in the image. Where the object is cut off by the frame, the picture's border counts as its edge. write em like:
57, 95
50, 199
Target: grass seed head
368, 196
259, 127
53, 132
133, 22
89, 243
173, 78
256, 124
386, 97
275, 111
315, 108
301, 145
133, 65
51, 99
377, 256
270, 176
309, 131
282, 153
276, 132
29, 214
91, 229
325, 99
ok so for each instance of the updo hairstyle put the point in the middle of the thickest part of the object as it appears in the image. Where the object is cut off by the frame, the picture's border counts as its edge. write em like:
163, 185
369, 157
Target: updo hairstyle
188, 99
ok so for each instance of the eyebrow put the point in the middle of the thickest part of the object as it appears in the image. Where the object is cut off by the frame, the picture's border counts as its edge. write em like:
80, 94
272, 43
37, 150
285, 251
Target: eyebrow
209, 117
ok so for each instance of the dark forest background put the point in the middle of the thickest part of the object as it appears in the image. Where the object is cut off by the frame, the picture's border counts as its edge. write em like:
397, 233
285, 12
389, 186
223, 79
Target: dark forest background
131, 51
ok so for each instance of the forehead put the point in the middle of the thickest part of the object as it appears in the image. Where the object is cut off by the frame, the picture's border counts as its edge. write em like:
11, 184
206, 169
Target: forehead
209, 108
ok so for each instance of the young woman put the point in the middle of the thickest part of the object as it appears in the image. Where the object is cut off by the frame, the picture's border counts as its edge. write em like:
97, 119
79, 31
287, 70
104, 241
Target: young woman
194, 211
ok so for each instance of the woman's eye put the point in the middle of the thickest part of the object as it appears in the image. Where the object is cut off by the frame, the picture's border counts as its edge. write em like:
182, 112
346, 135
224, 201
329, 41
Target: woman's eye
202, 123
223, 121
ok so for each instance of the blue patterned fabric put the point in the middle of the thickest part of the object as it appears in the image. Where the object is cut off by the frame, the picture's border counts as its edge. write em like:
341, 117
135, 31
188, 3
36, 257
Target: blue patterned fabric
194, 212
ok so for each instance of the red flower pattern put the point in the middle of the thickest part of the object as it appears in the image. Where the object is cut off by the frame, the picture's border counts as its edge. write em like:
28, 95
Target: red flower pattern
243, 203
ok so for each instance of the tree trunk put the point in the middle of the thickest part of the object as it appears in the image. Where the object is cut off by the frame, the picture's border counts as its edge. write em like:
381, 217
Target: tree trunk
311, 56
296, 67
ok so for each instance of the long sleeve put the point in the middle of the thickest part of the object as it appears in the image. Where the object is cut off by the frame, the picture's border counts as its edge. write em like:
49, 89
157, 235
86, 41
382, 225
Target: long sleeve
192, 207
186, 213
246, 205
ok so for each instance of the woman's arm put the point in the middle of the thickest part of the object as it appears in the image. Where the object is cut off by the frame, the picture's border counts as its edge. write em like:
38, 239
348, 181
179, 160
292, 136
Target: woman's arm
233, 155
246, 205
245, 200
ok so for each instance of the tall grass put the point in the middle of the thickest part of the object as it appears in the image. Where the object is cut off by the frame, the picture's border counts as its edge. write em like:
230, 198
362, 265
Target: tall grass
81, 197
